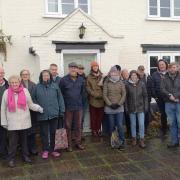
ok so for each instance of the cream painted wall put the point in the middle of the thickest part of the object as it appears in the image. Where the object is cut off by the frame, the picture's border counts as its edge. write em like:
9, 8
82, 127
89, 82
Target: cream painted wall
128, 18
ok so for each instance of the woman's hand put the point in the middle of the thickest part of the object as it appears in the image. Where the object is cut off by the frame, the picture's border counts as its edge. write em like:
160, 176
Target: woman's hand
40, 109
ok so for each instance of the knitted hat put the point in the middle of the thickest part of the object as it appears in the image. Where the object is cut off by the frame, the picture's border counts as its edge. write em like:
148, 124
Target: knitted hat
80, 66
113, 69
94, 63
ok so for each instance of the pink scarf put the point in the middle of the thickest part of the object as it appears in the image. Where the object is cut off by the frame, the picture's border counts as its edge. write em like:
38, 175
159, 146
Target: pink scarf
21, 102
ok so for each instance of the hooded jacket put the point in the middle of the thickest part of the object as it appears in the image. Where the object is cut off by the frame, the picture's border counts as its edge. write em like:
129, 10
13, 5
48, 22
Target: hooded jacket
50, 98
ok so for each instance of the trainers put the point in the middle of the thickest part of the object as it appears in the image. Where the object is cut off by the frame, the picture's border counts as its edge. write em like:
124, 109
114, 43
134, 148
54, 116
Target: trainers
55, 154
11, 164
80, 147
45, 155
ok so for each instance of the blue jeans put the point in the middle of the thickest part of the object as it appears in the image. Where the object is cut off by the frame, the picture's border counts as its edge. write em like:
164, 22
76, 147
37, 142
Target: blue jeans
140, 117
116, 120
173, 114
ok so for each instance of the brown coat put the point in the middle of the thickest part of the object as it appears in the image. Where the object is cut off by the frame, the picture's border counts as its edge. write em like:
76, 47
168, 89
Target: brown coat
114, 92
95, 91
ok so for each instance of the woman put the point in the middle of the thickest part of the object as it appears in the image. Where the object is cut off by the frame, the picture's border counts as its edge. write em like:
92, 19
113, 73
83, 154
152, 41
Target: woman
136, 105
15, 117
114, 94
27, 83
49, 96
96, 102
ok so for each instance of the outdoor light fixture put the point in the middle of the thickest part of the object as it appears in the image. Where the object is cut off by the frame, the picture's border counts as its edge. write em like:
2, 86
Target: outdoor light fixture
82, 29
4, 38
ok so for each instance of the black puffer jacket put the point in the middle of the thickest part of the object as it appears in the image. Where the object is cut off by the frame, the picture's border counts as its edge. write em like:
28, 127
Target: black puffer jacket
136, 97
156, 83
170, 85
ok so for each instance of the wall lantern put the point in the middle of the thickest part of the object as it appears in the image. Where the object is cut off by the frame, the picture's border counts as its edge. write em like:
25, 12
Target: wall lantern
3, 40
82, 30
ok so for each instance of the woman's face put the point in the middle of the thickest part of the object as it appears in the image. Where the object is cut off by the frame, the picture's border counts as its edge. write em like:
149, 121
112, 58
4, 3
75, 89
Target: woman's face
25, 76
162, 66
95, 68
45, 76
114, 73
134, 77
14, 83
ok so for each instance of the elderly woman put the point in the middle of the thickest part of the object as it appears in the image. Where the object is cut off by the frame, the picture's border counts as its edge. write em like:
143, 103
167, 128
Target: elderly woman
114, 95
27, 83
136, 105
49, 96
15, 117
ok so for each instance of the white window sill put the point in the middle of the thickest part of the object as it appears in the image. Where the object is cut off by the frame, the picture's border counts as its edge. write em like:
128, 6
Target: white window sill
162, 19
54, 16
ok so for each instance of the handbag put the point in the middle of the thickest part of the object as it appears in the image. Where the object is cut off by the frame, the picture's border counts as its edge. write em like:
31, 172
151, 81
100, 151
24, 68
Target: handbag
115, 142
61, 141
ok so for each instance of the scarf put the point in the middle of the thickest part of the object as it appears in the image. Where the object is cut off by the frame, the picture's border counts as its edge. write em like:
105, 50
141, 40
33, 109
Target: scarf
114, 79
21, 102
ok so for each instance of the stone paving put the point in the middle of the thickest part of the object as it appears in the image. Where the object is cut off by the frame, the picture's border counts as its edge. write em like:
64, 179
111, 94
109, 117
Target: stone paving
99, 161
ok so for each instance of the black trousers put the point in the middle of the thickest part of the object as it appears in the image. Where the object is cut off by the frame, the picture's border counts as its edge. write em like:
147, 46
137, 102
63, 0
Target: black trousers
3, 142
48, 131
16, 137
161, 105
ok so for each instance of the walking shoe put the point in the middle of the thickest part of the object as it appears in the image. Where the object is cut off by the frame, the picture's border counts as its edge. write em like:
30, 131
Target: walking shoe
121, 147
55, 154
11, 164
80, 147
33, 152
26, 159
45, 155
69, 149
142, 144
173, 145
134, 141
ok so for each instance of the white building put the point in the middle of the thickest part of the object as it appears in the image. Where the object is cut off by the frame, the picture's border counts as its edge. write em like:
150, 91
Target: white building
128, 33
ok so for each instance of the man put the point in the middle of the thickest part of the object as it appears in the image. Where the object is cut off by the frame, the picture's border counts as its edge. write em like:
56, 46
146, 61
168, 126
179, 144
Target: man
54, 71
72, 87
125, 75
146, 79
170, 89
3, 132
162, 67
85, 98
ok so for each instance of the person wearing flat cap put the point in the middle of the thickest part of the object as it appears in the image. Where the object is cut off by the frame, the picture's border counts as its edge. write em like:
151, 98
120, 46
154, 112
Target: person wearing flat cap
72, 87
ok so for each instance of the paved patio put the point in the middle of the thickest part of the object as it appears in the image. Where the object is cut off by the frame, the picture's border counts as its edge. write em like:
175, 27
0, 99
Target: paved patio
99, 161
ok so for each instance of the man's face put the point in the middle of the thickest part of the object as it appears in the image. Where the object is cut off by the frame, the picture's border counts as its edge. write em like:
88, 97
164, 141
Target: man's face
173, 69
80, 71
54, 70
73, 71
141, 72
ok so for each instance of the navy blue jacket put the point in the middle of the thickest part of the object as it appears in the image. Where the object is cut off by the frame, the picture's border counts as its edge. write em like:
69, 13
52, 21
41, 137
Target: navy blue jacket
73, 92
156, 83
49, 97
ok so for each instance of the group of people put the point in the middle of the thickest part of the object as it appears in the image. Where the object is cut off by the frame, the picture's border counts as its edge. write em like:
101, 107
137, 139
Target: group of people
121, 97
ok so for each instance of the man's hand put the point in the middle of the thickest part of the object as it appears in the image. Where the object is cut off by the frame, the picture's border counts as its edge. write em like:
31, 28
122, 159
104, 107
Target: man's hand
172, 98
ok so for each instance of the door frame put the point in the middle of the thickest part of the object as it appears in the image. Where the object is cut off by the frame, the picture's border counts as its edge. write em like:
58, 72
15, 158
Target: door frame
77, 51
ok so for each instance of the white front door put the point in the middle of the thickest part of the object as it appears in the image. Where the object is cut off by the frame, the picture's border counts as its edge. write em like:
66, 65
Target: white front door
84, 58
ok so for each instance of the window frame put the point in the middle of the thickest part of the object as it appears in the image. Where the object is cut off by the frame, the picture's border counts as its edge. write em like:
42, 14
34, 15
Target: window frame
59, 13
160, 55
158, 17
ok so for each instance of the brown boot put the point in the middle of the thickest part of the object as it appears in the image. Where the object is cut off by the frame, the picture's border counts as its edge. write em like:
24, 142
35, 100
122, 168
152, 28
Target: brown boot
142, 144
80, 146
134, 141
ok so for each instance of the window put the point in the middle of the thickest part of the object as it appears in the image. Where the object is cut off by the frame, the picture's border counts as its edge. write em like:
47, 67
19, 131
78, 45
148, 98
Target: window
64, 7
154, 57
162, 9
